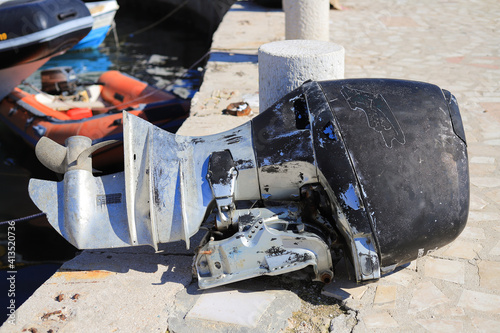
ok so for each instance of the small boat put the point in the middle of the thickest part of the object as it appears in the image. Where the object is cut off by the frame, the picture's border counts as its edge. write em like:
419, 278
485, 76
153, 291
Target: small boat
103, 13
32, 32
63, 109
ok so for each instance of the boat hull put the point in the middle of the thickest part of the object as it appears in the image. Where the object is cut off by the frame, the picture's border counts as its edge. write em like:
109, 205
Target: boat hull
103, 13
12, 76
47, 28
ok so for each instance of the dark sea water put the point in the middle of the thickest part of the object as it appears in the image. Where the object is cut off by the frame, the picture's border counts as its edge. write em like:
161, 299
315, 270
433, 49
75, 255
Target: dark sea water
162, 56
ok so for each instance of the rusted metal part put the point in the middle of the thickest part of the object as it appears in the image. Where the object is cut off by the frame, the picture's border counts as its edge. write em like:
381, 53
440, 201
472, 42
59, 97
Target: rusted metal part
238, 109
47, 315
377, 168
326, 277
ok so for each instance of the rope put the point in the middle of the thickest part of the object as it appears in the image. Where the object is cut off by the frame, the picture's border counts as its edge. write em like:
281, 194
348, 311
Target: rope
24, 219
115, 35
195, 63
175, 10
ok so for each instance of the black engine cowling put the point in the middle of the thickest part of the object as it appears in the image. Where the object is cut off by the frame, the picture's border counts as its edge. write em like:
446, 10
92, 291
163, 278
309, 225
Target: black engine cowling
392, 155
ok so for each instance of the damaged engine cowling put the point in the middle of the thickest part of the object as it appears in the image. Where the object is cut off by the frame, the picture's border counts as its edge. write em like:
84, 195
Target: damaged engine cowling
376, 166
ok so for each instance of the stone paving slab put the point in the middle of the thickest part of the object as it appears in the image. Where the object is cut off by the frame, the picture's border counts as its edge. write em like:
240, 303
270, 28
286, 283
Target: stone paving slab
451, 44
241, 307
106, 292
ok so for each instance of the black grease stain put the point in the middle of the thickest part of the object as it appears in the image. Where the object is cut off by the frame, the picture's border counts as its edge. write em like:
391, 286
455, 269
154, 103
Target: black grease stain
299, 257
271, 169
275, 251
244, 164
198, 140
232, 139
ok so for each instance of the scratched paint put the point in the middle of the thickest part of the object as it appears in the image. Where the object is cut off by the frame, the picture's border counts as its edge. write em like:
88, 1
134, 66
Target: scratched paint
378, 114
329, 131
350, 198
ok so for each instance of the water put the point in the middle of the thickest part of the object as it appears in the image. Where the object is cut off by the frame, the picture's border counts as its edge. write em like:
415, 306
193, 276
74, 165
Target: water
160, 56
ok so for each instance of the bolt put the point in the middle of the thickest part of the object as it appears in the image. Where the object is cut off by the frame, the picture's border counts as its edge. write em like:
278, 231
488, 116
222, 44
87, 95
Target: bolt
326, 277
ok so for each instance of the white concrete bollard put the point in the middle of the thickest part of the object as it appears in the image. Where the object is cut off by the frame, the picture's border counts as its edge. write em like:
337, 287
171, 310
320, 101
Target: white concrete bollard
285, 65
307, 19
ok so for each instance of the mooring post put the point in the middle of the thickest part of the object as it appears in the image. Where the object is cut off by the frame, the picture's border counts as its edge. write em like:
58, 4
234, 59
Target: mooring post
285, 65
307, 19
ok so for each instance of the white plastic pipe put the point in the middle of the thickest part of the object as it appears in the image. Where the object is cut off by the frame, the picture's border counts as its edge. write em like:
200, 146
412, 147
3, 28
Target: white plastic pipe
285, 65
307, 19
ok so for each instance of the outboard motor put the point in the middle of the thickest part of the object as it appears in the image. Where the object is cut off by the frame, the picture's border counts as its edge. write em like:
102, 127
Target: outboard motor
375, 167
59, 80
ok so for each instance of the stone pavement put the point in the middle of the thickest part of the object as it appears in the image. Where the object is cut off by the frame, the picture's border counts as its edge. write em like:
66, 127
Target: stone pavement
454, 44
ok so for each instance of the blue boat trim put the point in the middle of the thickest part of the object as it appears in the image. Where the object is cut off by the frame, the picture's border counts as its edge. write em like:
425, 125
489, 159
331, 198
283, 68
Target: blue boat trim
93, 39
